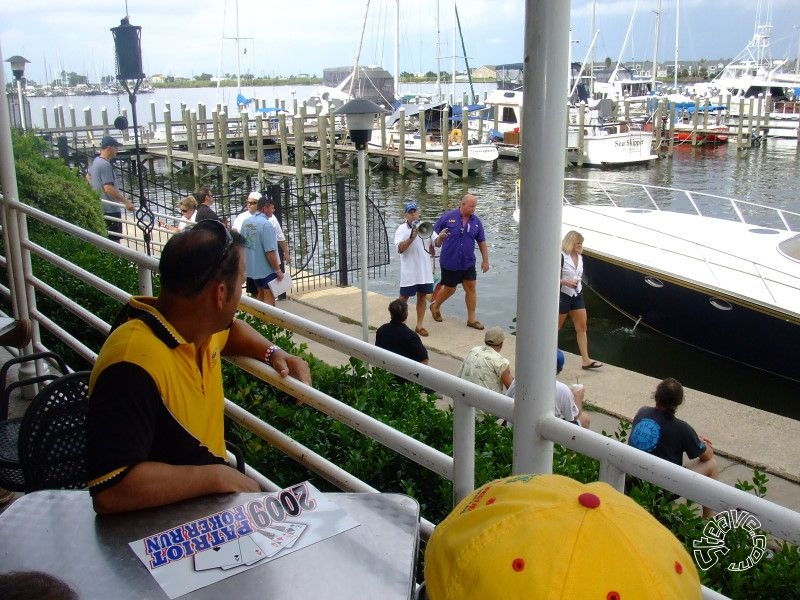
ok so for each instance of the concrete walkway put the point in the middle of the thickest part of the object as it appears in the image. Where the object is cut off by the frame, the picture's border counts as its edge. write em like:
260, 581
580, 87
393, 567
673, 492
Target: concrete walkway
743, 437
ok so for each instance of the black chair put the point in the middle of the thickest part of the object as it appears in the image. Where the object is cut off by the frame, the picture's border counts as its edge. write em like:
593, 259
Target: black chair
11, 476
52, 437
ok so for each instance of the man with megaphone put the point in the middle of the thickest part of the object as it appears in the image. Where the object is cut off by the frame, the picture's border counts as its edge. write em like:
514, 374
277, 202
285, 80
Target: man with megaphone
414, 245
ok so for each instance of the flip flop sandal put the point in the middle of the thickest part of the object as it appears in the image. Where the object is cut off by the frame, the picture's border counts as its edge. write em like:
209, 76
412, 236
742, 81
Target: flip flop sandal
592, 365
475, 324
422, 331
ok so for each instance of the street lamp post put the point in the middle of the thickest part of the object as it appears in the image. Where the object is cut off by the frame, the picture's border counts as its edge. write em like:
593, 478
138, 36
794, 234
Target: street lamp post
18, 70
360, 115
128, 50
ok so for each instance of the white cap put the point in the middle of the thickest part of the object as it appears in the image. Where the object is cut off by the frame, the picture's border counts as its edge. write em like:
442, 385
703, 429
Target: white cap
254, 196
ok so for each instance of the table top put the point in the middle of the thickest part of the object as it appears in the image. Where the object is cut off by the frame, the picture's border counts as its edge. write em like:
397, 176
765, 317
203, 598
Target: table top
58, 532
6, 324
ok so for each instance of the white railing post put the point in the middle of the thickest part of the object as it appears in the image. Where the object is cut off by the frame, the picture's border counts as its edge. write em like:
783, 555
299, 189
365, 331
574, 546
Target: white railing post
463, 449
18, 262
612, 475
543, 127
145, 281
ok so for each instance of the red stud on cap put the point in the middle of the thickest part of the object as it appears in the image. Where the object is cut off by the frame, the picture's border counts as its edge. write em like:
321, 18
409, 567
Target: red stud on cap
589, 500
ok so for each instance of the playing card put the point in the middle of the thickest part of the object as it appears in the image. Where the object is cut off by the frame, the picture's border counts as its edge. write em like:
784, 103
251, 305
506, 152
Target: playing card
281, 538
227, 555
293, 530
269, 547
251, 552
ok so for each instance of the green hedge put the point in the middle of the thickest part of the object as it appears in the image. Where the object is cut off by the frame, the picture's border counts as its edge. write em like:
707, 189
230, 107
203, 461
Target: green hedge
51, 186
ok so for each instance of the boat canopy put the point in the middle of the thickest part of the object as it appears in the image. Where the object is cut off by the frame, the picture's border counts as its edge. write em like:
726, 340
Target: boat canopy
690, 107
457, 110
413, 110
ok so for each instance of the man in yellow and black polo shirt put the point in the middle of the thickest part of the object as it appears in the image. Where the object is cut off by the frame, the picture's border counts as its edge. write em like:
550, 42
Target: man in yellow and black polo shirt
155, 426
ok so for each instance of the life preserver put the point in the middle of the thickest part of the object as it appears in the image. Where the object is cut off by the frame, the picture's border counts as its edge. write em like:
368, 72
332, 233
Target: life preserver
455, 136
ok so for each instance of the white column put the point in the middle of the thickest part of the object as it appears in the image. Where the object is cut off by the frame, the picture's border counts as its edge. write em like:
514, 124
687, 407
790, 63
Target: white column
542, 166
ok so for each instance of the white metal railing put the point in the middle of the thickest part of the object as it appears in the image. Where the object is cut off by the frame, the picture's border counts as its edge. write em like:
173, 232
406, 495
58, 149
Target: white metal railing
647, 192
616, 458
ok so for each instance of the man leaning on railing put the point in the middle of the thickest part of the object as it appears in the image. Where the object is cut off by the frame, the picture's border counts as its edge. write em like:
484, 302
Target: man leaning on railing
155, 424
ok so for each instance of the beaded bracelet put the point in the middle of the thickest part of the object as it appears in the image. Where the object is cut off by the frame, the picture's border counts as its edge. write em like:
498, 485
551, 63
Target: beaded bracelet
268, 355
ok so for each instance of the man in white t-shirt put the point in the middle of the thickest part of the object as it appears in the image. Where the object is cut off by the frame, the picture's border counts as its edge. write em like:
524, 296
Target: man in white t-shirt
568, 401
252, 200
416, 267
283, 246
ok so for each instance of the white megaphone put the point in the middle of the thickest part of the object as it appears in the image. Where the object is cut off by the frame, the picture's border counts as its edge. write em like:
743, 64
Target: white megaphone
425, 229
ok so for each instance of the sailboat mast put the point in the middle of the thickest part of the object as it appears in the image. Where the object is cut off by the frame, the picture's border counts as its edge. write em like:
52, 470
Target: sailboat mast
238, 55
453, 58
594, 36
625, 42
397, 49
438, 56
466, 60
221, 44
797, 60
655, 48
677, 31
358, 52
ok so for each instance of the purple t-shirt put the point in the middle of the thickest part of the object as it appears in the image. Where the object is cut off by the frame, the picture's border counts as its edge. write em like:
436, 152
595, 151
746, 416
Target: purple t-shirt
458, 250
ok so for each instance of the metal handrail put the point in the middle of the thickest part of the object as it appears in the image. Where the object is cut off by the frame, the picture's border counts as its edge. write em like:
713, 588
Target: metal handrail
734, 203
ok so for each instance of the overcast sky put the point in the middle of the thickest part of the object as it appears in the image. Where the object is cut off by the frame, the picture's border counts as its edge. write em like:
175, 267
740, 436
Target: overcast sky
284, 37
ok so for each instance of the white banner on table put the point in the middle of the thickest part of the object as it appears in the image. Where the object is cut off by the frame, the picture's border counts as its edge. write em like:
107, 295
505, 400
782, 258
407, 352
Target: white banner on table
206, 550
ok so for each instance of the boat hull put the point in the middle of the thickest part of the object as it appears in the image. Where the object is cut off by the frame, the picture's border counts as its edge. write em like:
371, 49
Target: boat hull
731, 288
699, 317
707, 137
610, 149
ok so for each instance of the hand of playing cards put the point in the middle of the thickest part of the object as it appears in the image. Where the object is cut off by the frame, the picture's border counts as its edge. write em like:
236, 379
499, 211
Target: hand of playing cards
248, 550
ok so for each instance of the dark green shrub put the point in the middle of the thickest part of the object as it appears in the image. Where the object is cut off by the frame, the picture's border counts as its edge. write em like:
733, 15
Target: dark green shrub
51, 186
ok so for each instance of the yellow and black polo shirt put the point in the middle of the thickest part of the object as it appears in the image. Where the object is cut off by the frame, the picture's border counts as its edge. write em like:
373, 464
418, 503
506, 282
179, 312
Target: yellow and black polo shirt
148, 401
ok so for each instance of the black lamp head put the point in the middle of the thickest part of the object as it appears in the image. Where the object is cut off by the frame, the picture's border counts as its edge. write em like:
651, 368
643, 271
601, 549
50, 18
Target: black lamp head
128, 50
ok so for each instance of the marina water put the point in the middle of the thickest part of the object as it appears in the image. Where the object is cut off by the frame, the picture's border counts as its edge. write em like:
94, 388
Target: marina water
769, 174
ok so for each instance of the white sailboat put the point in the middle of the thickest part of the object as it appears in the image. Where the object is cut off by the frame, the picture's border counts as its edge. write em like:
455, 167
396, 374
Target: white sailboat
425, 136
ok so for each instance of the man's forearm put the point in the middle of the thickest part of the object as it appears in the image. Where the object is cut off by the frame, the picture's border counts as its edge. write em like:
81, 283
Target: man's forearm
274, 262
484, 248
150, 484
114, 192
244, 340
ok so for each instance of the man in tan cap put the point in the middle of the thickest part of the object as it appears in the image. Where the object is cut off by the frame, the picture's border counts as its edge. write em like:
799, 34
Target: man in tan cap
485, 366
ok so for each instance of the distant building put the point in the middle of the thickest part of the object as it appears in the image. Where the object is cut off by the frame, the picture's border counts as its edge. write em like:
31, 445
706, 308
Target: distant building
484, 72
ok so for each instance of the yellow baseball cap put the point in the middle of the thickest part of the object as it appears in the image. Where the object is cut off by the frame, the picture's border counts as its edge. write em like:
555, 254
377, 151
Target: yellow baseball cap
548, 537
